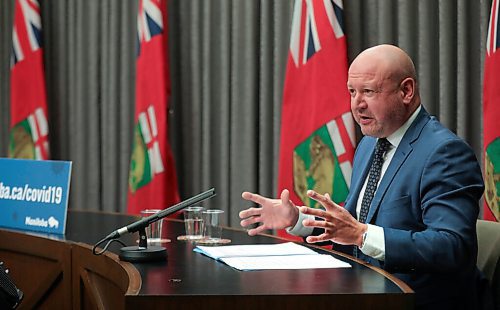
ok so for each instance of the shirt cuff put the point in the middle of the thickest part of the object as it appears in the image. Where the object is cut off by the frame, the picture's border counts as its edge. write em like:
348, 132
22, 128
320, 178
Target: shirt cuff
299, 229
374, 245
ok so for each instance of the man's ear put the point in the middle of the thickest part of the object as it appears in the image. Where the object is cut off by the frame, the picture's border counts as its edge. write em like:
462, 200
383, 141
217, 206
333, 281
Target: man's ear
407, 88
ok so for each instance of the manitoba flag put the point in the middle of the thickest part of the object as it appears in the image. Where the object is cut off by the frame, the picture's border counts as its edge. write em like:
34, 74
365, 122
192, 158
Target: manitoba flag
317, 129
152, 178
491, 114
28, 105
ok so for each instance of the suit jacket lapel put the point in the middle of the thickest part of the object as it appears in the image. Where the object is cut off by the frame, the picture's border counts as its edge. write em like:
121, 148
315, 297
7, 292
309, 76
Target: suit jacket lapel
358, 181
402, 152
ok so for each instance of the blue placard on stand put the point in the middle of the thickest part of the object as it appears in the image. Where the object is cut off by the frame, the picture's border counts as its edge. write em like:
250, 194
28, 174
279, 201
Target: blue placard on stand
34, 194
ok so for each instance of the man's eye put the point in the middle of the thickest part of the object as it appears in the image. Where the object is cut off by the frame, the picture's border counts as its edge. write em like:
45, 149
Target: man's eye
352, 92
368, 92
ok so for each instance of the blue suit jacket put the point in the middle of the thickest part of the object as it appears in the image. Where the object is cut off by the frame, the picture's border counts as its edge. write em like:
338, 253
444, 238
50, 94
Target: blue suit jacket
427, 203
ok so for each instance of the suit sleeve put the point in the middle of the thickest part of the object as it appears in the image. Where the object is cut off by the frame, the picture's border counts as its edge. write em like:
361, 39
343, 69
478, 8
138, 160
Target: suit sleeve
450, 188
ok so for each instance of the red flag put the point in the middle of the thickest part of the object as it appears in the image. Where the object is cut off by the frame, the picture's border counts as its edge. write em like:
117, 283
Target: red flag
491, 114
317, 129
152, 179
28, 103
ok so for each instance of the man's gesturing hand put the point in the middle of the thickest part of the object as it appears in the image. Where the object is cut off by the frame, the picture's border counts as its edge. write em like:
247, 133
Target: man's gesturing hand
339, 225
272, 213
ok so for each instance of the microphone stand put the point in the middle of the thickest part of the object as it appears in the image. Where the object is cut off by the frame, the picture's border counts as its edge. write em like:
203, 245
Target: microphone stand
142, 253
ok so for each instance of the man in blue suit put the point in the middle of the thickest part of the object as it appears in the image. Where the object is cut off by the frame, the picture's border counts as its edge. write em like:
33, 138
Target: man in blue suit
415, 214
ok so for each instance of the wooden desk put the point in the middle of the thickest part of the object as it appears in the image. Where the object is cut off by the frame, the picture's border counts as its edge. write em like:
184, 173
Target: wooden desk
60, 272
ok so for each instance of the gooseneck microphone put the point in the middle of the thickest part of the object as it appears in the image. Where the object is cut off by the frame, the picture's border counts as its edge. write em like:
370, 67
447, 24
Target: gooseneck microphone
143, 253
10, 295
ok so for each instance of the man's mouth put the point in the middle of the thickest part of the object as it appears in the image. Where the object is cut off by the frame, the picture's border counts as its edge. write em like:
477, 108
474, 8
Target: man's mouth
364, 120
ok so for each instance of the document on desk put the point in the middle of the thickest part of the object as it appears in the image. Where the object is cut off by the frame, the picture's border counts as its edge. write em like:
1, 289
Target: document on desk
271, 256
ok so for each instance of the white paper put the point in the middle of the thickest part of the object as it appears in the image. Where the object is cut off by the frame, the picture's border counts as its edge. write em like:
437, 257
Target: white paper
288, 248
271, 256
284, 262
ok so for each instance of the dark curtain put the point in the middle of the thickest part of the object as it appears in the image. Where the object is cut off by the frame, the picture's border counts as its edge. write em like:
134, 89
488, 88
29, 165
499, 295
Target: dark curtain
227, 61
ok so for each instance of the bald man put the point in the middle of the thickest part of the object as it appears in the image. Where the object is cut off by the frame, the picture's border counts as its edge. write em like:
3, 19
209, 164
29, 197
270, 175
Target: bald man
412, 209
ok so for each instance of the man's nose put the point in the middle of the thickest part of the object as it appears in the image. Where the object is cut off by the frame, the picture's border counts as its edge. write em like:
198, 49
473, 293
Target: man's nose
358, 101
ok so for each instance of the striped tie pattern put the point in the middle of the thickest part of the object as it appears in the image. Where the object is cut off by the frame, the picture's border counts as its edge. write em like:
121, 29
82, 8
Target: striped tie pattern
373, 178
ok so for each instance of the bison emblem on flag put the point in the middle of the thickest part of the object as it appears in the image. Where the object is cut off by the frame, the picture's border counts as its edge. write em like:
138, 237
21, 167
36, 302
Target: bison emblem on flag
28, 138
492, 177
321, 162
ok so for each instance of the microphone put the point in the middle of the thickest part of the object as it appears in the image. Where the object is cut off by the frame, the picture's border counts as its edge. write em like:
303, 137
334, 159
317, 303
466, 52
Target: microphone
10, 295
144, 222
143, 253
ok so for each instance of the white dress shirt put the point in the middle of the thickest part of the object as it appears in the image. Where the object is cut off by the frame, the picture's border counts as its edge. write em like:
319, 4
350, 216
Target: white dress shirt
374, 244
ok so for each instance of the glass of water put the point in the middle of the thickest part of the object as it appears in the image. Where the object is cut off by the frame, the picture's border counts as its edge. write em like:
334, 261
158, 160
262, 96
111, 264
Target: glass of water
193, 222
213, 230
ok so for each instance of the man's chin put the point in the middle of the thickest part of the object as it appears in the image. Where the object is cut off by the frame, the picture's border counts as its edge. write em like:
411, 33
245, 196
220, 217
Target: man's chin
366, 131
370, 131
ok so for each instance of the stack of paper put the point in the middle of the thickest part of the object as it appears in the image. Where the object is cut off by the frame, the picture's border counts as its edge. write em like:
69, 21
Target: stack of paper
271, 256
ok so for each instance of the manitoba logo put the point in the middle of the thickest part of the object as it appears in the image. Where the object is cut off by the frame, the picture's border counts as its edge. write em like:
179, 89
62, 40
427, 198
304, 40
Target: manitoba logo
492, 177
28, 138
322, 162
146, 156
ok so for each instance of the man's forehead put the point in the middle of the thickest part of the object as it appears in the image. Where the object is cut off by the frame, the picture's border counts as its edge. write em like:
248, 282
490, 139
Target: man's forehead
366, 65
365, 77
376, 72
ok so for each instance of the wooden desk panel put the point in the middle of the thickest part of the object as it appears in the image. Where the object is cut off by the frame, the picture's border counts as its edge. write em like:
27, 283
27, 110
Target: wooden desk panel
40, 267
98, 283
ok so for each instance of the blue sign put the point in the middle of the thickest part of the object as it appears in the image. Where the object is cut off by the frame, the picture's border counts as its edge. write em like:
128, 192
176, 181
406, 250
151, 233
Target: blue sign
34, 194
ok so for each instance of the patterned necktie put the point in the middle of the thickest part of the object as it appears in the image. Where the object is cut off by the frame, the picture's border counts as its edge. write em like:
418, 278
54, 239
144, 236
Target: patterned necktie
373, 178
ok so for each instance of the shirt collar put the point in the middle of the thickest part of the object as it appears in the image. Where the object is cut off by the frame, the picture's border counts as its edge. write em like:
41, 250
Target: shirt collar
396, 137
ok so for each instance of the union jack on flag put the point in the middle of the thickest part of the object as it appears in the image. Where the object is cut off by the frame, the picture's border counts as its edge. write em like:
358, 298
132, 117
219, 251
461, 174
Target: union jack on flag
27, 33
493, 40
149, 21
307, 41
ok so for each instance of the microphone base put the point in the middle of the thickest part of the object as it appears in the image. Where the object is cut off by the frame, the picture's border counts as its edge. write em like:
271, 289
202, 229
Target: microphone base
134, 254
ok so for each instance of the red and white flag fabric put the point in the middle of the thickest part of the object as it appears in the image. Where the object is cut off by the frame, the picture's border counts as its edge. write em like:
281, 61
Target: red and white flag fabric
152, 178
317, 129
29, 128
491, 114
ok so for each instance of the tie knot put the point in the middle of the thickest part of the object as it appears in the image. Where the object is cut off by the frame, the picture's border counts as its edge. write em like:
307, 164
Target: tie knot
382, 146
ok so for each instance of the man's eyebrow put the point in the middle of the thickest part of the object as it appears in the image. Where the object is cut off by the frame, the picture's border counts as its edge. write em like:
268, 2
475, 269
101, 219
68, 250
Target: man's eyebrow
364, 85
